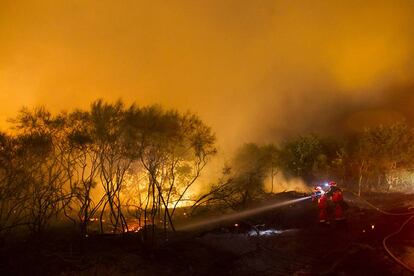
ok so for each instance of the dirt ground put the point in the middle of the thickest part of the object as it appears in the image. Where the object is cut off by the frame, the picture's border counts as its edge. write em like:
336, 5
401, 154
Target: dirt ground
284, 241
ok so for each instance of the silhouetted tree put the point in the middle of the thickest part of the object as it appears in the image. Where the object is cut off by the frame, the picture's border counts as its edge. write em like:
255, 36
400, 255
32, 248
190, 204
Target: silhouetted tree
12, 185
173, 150
83, 167
242, 180
272, 160
108, 130
41, 148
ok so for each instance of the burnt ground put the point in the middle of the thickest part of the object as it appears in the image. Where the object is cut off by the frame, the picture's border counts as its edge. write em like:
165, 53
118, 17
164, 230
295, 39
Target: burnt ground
284, 241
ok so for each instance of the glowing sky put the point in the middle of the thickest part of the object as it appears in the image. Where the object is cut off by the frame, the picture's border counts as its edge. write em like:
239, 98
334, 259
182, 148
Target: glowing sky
253, 70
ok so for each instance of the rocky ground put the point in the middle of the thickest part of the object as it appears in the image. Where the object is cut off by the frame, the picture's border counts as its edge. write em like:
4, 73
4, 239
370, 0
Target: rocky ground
284, 241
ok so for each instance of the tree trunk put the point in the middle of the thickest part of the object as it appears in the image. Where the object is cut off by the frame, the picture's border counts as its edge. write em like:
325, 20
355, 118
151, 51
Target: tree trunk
272, 172
361, 168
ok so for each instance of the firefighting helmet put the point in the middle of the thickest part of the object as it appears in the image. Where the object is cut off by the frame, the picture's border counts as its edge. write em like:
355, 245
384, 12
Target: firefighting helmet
332, 183
318, 189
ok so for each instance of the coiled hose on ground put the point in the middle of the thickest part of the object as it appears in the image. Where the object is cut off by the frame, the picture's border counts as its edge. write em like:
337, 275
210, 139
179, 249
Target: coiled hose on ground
384, 241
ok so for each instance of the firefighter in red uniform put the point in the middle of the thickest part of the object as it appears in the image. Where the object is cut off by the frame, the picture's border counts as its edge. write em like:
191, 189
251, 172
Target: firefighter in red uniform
322, 200
335, 195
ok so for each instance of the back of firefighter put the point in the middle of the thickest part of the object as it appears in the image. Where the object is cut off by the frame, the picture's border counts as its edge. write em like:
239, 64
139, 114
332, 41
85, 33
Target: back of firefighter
322, 200
335, 194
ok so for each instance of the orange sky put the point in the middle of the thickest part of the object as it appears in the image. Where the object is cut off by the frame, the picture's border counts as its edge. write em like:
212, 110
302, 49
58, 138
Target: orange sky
253, 70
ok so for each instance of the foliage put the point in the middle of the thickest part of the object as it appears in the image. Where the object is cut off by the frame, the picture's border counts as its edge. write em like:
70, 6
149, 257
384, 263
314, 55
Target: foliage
55, 165
380, 152
114, 161
242, 181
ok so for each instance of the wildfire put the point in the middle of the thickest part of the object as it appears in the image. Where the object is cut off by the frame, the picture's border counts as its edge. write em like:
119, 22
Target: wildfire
133, 226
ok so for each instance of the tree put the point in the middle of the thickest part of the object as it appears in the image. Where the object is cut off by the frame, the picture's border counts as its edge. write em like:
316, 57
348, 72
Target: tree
272, 161
299, 156
40, 146
52, 164
115, 157
382, 151
242, 180
83, 167
12, 184
173, 150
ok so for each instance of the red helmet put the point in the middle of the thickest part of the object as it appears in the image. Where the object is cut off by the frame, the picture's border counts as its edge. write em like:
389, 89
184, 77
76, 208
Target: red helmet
332, 183
318, 188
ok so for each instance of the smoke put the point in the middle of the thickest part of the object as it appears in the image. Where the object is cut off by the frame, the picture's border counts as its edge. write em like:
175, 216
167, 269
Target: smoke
254, 70
283, 184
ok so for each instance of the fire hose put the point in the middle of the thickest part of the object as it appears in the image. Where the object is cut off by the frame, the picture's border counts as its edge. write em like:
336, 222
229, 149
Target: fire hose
384, 244
384, 241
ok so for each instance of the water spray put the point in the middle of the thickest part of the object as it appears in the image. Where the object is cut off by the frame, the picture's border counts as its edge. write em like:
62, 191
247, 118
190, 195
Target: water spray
241, 214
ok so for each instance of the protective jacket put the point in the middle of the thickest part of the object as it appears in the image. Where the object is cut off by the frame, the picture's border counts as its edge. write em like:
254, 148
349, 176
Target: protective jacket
323, 208
321, 198
336, 195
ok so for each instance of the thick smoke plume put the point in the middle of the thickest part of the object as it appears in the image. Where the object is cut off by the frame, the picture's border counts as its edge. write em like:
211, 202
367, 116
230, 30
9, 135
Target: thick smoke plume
254, 71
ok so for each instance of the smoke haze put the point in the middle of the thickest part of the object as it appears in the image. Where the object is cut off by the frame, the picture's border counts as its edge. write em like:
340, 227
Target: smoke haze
253, 70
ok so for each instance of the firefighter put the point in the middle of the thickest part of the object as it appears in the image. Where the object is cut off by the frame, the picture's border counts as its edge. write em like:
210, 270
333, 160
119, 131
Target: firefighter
322, 200
336, 196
